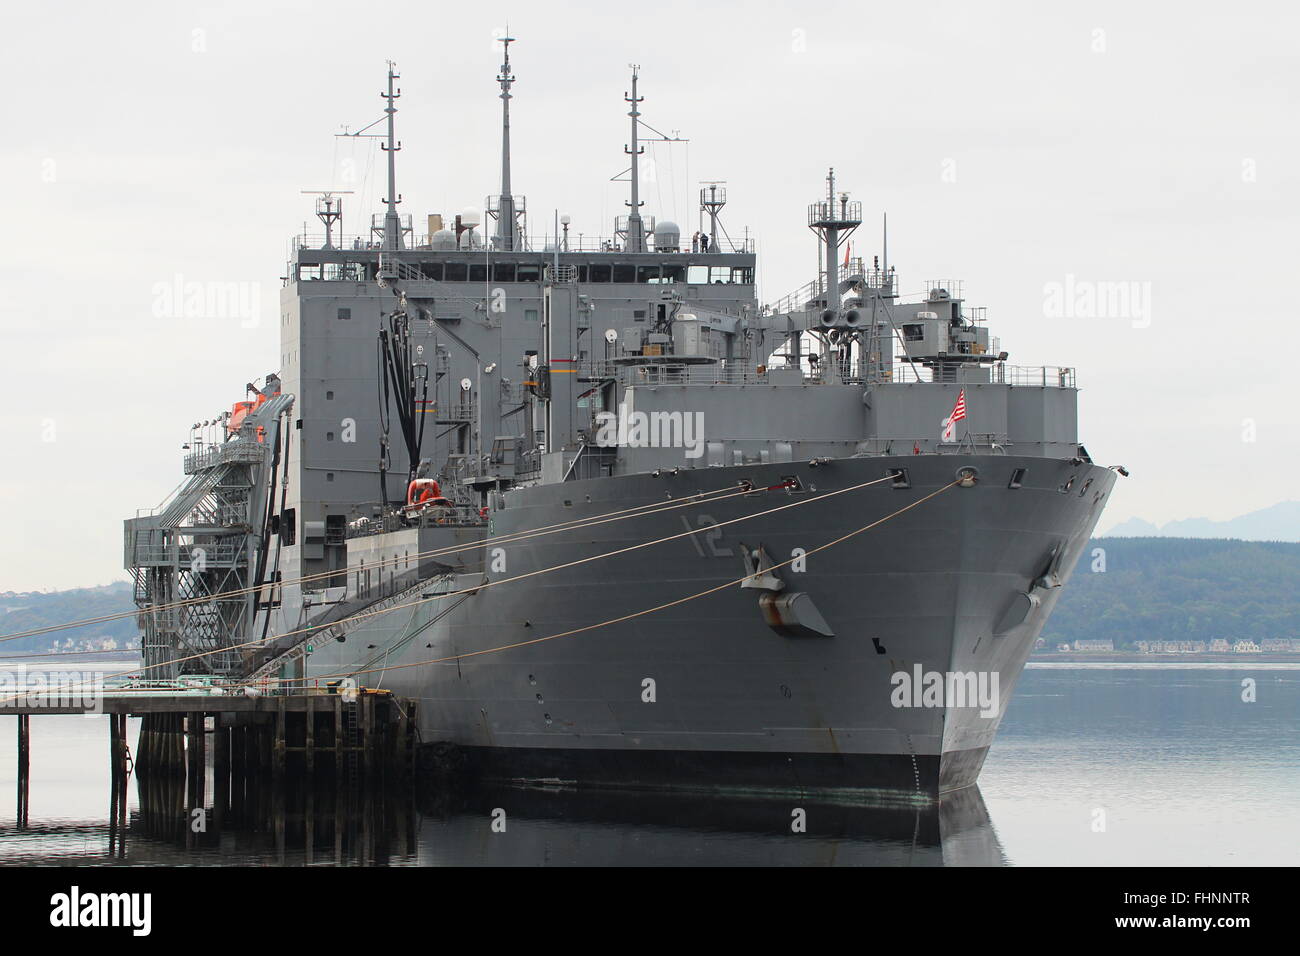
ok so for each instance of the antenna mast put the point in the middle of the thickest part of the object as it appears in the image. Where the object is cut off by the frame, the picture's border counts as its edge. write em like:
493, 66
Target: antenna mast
507, 234
833, 219
329, 210
635, 231
392, 224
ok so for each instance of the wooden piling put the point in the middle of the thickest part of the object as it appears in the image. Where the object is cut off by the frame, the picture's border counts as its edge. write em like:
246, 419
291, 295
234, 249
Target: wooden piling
24, 766
220, 769
338, 740
278, 744
309, 740
367, 702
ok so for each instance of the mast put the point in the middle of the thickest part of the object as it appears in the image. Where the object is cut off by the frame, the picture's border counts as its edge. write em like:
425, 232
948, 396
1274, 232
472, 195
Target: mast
392, 224
635, 231
833, 219
507, 233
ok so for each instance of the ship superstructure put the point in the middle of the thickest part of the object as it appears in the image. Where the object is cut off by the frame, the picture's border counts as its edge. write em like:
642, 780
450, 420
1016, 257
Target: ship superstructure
611, 519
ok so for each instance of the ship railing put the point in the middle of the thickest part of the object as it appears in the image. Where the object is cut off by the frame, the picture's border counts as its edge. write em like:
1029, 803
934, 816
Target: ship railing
950, 286
973, 441
713, 373
455, 516
545, 244
196, 556
1045, 376
999, 373
344, 243
246, 452
797, 301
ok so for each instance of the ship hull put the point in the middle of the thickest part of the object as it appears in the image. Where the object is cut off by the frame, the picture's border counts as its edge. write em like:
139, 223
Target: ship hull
601, 673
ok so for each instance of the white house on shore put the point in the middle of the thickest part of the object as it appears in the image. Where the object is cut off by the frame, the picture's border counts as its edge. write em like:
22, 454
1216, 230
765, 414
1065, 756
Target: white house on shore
1095, 645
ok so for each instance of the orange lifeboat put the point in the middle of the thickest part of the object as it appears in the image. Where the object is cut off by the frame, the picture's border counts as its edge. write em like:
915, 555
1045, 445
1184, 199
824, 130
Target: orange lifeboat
425, 493
241, 410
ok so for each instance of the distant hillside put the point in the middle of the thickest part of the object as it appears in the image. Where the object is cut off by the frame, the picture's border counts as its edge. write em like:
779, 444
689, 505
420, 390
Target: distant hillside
1279, 522
1181, 589
25, 611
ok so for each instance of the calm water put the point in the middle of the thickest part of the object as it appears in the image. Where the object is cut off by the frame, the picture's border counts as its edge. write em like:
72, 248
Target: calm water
1168, 759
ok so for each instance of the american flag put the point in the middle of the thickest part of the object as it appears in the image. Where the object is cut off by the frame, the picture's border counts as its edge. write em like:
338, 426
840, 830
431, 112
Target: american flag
958, 413
958, 410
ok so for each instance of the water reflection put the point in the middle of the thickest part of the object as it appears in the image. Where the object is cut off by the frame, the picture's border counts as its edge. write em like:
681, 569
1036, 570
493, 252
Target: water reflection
536, 827
328, 825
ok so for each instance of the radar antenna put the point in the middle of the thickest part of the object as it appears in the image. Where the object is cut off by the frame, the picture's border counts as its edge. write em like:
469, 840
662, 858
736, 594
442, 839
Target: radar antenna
329, 210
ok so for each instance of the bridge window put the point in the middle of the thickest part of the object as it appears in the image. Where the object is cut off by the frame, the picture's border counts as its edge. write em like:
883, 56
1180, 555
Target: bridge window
600, 273
432, 270
697, 275
624, 274
456, 272
503, 272
647, 274
345, 271
478, 272
530, 273
913, 333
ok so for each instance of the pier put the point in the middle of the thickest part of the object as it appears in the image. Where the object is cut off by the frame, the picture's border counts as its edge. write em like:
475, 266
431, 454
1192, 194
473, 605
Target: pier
360, 739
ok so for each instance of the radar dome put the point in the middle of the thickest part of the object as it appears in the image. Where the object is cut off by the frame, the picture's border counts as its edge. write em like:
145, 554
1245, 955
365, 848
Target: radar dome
668, 237
443, 239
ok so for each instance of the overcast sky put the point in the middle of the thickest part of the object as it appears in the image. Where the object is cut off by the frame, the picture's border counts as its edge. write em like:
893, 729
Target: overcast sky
1034, 153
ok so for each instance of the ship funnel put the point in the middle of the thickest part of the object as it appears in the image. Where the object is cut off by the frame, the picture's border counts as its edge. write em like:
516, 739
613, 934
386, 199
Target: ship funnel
829, 318
852, 318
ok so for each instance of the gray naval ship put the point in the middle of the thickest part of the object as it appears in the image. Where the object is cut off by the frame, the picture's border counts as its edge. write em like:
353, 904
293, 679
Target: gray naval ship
608, 518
